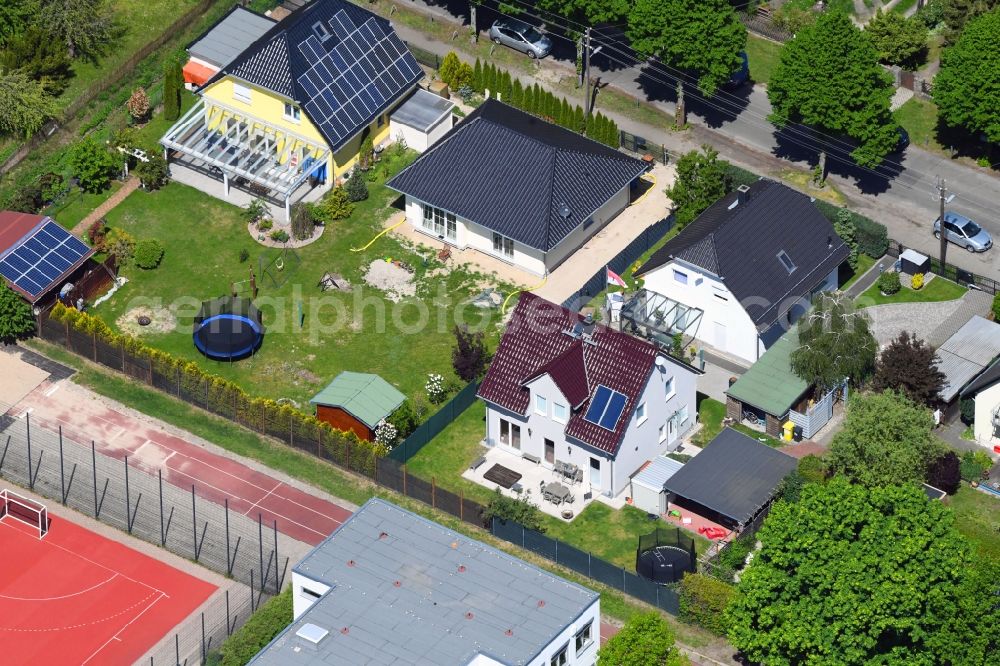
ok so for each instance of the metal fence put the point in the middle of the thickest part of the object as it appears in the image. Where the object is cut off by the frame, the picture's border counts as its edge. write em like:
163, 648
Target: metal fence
203, 634
424, 57
429, 429
960, 275
641, 146
764, 26
596, 283
582, 562
120, 494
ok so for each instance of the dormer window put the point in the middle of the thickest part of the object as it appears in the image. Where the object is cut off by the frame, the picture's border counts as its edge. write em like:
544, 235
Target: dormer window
786, 261
320, 31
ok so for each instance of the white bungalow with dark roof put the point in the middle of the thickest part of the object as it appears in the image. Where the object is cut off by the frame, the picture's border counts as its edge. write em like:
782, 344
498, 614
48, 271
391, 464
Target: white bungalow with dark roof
516, 187
566, 393
741, 273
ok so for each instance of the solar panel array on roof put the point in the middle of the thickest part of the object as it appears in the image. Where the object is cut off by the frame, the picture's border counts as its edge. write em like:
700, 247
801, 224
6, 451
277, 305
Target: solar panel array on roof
606, 408
355, 72
41, 258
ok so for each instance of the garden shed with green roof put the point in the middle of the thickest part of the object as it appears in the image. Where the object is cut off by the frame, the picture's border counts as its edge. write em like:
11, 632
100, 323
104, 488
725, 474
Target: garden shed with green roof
769, 388
357, 401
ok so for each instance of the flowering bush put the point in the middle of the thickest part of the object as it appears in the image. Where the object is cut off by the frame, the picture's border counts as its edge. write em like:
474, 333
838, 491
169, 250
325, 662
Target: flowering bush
386, 434
918, 281
435, 388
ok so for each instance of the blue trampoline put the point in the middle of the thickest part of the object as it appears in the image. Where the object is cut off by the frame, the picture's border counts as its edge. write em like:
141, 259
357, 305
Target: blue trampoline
228, 329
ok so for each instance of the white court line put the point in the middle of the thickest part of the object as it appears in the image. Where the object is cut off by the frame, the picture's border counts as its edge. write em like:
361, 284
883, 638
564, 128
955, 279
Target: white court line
48, 394
87, 559
64, 596
127, 624
252, 506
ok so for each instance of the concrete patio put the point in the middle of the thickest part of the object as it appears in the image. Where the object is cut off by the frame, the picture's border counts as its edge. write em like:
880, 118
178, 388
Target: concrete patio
532, 477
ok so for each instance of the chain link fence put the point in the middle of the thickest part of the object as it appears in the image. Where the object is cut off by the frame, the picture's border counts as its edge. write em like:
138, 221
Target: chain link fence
119, 494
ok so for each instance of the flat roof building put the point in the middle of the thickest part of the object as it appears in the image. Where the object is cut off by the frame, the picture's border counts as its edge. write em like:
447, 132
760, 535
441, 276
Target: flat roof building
391, 587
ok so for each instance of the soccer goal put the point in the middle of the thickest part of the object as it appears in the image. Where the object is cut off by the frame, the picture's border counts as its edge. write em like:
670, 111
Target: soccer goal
24, 510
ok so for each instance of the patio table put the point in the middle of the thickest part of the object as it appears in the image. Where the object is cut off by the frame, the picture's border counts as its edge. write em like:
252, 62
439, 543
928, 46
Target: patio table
556, 492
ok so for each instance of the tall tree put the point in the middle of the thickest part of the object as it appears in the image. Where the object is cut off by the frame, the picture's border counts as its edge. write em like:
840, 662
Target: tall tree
967, 89
702, 178
86, 27
16, 320
851, 576
41, 59
702, 38
645, 640
15, 16
886, 439
835, 342
25, 104
470, 356
829, 77
909, 365
171, 91
585, 12
957, 13
898, 40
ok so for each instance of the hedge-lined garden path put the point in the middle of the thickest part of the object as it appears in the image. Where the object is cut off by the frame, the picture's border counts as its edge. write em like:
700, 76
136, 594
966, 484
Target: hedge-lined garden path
130, 186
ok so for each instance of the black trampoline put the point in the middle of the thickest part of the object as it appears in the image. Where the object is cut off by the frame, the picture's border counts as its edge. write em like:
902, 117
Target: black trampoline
228, 329
664, 556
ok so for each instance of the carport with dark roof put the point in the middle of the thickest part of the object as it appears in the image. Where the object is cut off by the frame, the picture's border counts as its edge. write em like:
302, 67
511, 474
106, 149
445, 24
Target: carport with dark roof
731, 481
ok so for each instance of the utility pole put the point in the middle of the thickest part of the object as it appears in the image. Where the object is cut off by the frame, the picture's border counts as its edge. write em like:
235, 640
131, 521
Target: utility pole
944, 198
586, 78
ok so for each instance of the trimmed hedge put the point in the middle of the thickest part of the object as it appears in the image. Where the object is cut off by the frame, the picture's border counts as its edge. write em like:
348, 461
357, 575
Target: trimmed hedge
703, 601
739, 176
872, 238
148, 254
273, 616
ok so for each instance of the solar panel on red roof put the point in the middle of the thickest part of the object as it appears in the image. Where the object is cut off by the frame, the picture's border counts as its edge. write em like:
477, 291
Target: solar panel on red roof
606, 407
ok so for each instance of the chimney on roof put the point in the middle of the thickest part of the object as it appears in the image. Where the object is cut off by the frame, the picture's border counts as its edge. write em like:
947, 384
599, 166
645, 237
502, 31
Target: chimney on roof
829, 242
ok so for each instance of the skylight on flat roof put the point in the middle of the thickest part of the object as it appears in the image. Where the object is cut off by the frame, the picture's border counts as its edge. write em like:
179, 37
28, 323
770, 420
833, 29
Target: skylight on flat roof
312, 633
786, 262
606, 408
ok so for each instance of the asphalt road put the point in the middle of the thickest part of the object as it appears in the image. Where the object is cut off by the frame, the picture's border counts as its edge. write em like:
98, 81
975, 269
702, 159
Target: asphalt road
900, 194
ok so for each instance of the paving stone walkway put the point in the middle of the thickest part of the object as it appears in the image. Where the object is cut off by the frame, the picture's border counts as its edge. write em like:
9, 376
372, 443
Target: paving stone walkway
932, 322
130, 186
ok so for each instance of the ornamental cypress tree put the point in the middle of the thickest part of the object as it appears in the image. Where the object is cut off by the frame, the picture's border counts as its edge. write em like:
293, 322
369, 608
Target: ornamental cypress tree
577, 119
477, 76
528, 103
517, 95
171, 94
506, 85
490, 79
538, 101
565, 114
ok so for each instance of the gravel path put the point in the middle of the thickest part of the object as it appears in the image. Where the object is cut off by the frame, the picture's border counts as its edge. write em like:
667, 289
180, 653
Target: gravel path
921, 319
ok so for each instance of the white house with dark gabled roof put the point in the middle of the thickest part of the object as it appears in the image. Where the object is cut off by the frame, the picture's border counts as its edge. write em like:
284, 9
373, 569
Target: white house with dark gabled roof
562, 389
741, 273
515, 187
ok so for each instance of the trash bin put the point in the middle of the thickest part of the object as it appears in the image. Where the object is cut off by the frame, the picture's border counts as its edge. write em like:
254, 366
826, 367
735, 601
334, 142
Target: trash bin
797, 433
788, 428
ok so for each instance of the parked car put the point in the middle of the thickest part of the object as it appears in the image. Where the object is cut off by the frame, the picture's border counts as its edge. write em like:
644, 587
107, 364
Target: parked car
960, 230
520, 36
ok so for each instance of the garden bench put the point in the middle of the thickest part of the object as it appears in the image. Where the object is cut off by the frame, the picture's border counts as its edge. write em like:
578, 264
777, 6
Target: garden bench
532, 458
477, 463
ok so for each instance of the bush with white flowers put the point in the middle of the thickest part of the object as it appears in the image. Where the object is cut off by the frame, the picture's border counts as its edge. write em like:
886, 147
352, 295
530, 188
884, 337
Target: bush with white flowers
435, 387
386, 434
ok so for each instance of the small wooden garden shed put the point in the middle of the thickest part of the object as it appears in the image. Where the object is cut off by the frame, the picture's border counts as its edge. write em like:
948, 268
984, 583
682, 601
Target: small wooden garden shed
357, 401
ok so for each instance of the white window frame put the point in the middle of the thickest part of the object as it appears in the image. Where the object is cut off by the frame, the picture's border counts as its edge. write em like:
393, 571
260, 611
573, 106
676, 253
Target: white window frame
503, 246
584, 638
439, 222
510, 439
682, 415
242, 93
560, 657
560, 412
680, 277
292, 113
640, 413
670, 388
662, 436
541, 404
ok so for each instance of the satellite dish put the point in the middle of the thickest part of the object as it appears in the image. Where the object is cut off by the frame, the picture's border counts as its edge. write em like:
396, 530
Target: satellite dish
661, 363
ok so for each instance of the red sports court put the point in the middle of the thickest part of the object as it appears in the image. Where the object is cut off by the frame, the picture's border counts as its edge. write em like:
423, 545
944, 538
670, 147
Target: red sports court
71, 596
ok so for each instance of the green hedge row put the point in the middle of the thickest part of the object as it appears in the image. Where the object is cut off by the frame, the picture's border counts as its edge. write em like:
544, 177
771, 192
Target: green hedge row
273, 616
872, 238
703, 600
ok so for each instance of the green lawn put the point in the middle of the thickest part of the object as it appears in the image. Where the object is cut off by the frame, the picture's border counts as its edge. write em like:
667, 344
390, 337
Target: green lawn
919, 118
710, 415
763, 56
142, 21
78, 205
360, 331
977, 516
938, 289
847, 276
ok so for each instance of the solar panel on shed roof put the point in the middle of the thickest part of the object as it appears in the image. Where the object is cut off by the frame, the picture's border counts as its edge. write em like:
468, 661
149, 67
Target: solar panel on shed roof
41, 258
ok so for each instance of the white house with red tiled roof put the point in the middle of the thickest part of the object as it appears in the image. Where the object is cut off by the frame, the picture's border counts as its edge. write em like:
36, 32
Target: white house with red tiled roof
564, 390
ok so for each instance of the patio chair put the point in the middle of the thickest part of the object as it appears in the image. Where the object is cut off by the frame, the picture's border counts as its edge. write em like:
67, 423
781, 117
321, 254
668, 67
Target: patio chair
570, 499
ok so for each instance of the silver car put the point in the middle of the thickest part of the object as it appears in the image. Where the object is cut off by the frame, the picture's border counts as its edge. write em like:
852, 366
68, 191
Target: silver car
960, 230
520, 36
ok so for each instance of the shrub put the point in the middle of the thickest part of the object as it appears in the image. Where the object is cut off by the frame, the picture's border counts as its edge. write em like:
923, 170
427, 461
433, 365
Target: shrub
96, 233
813, 469
470, 356
969, 469
255, 211
269, 620
917, 281
945, 472
280, 235
844, 226
357, 186
518, 509
138, 104
888, 282
120, 245
967, 407
16, 320
93, 165
703, 600
996, 307
405, 419
153, 173
148, 254
336, 205
244, 255
366, 155
265, 224
434, 386
462, 77
872, 237
450, 65
303, 224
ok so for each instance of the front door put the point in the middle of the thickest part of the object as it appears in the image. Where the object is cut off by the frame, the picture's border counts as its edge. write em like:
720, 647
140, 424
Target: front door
550, 451
671, 430
595, 473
